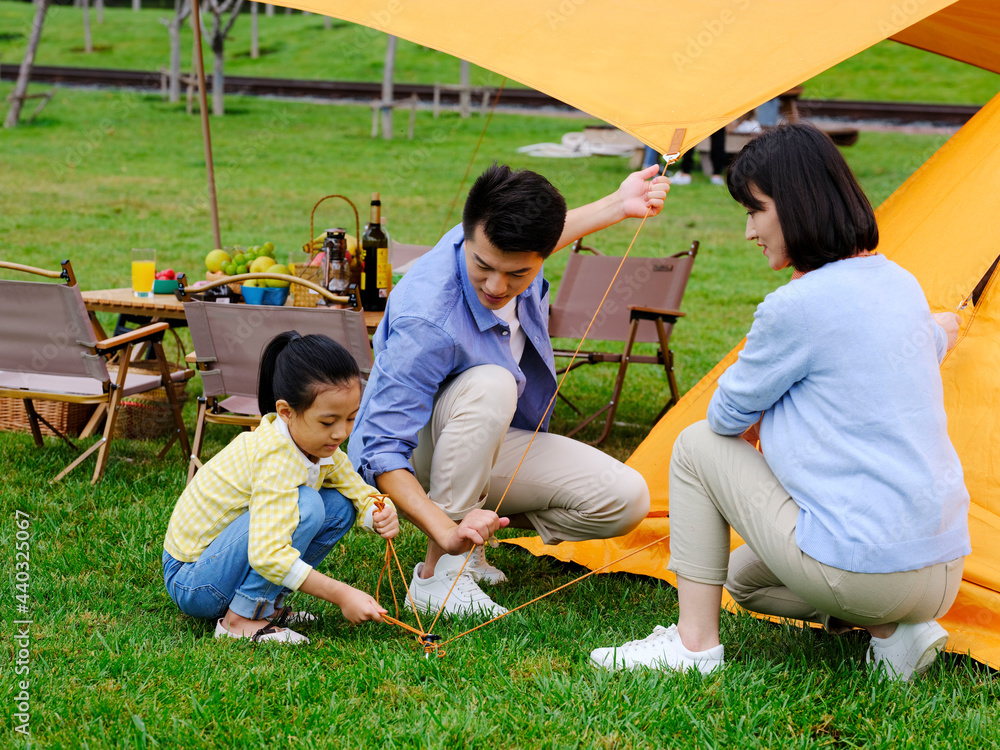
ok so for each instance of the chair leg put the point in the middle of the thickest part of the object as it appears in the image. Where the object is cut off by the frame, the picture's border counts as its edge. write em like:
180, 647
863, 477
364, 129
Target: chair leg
611, 407
199, 433
95, 419
36, 431
668, 365
109, 431
619, 383
175, 406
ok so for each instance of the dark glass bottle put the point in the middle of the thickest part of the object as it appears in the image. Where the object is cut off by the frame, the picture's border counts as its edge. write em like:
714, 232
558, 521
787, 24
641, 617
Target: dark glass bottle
375, 251
338, 274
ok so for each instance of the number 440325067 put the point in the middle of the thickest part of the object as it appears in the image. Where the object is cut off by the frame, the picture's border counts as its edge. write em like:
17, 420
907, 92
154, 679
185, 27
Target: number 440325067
22, 556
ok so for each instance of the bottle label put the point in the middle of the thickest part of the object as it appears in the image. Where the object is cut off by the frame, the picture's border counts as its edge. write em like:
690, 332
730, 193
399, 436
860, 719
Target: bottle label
382, 268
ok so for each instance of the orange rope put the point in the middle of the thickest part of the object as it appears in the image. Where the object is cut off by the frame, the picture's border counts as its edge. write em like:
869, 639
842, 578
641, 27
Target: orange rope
475, 152
560, 588
554, 396
428, 647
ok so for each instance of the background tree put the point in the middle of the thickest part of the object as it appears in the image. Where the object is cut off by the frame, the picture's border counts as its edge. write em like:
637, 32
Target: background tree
217, 38
24, 74
182, 9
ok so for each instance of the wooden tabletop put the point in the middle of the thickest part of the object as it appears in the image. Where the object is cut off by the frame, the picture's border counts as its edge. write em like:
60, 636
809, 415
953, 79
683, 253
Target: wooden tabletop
122, 301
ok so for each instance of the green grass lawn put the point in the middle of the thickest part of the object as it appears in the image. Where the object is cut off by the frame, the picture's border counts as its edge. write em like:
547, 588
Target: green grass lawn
299, 46
113, 664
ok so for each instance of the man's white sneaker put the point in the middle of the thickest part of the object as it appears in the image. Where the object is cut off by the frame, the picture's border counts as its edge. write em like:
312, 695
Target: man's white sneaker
477, 567
662, 649
466, 598
909, 651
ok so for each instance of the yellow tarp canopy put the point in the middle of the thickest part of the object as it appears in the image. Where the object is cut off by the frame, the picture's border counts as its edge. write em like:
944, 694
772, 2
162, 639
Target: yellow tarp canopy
937, 226
646, 67
651, 67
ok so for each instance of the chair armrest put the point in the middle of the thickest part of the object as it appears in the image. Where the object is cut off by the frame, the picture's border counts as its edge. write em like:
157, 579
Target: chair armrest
139, 334
652, 313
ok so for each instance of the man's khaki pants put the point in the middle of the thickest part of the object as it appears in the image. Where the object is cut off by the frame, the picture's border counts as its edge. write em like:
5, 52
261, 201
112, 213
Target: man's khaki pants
569, 491
718, 483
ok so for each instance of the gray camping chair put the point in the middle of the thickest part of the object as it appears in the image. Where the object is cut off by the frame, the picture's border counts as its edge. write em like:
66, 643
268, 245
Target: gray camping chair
642, 306
228, 342
49, 351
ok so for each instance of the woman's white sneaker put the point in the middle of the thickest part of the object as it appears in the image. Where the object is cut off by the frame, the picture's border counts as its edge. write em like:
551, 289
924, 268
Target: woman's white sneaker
909, 651
661, 649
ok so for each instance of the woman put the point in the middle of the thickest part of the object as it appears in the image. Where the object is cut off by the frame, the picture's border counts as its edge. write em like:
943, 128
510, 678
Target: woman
854, 513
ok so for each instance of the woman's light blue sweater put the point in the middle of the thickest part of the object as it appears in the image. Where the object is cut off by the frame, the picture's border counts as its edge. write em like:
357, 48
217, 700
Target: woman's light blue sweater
844, 365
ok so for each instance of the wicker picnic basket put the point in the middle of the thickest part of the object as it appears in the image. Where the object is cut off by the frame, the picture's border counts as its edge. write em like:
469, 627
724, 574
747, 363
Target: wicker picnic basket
301, 295
66, 417
147, 416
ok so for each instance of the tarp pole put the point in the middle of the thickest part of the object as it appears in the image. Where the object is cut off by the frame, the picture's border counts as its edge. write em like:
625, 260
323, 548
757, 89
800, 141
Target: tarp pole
206, 133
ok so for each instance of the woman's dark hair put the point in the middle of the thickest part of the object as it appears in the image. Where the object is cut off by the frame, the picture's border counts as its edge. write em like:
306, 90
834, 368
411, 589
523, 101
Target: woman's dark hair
823, 213
296, 368
520, 211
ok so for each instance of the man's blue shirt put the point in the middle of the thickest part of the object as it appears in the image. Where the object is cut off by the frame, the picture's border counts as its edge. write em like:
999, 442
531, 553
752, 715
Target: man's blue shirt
434, 328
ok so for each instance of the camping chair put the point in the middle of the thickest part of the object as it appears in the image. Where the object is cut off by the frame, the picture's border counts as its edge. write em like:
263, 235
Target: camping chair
403, 255
228, 343
50, 351
642, 306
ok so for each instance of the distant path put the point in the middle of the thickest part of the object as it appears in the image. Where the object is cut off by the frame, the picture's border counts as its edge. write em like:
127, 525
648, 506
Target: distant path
889, 113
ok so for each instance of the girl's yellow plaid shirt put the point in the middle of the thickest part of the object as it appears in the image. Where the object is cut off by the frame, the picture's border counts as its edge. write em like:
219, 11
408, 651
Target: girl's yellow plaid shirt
261, 471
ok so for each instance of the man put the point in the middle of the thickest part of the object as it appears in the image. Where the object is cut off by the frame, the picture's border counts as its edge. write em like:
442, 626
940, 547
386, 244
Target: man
463, 375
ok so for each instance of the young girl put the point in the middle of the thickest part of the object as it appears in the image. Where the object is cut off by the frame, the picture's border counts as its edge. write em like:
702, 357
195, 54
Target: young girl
855, 512
259, 517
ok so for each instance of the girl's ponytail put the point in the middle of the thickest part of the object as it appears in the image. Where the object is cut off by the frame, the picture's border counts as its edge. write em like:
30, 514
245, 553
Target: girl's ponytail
268, 365
295, 368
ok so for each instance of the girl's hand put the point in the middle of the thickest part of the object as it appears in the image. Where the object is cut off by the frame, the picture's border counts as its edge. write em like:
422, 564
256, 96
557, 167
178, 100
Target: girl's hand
386, 522
642, 191
358, 607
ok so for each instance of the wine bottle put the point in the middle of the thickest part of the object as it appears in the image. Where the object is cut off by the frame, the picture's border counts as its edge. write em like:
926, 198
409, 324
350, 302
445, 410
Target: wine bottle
375, 251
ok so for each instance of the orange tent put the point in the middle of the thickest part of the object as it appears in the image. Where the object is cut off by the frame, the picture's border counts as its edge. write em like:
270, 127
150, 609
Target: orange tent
607, 57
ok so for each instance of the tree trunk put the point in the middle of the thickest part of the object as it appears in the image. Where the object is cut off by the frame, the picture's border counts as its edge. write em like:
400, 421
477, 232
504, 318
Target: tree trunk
175, 60
218, 72
268, 10
181, 10
254, 42
88, 45
465, 95
24, 75
99, 5
387, 94
136, 5
327, 23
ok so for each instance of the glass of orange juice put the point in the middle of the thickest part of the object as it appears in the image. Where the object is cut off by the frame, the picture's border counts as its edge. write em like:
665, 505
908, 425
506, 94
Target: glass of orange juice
143, 271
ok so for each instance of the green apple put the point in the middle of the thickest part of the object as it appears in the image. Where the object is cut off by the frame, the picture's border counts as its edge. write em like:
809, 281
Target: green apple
279, 269
261, 264
216, 259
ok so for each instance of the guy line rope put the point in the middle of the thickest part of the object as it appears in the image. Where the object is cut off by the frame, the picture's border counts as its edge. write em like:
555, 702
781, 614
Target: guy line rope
425, 637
